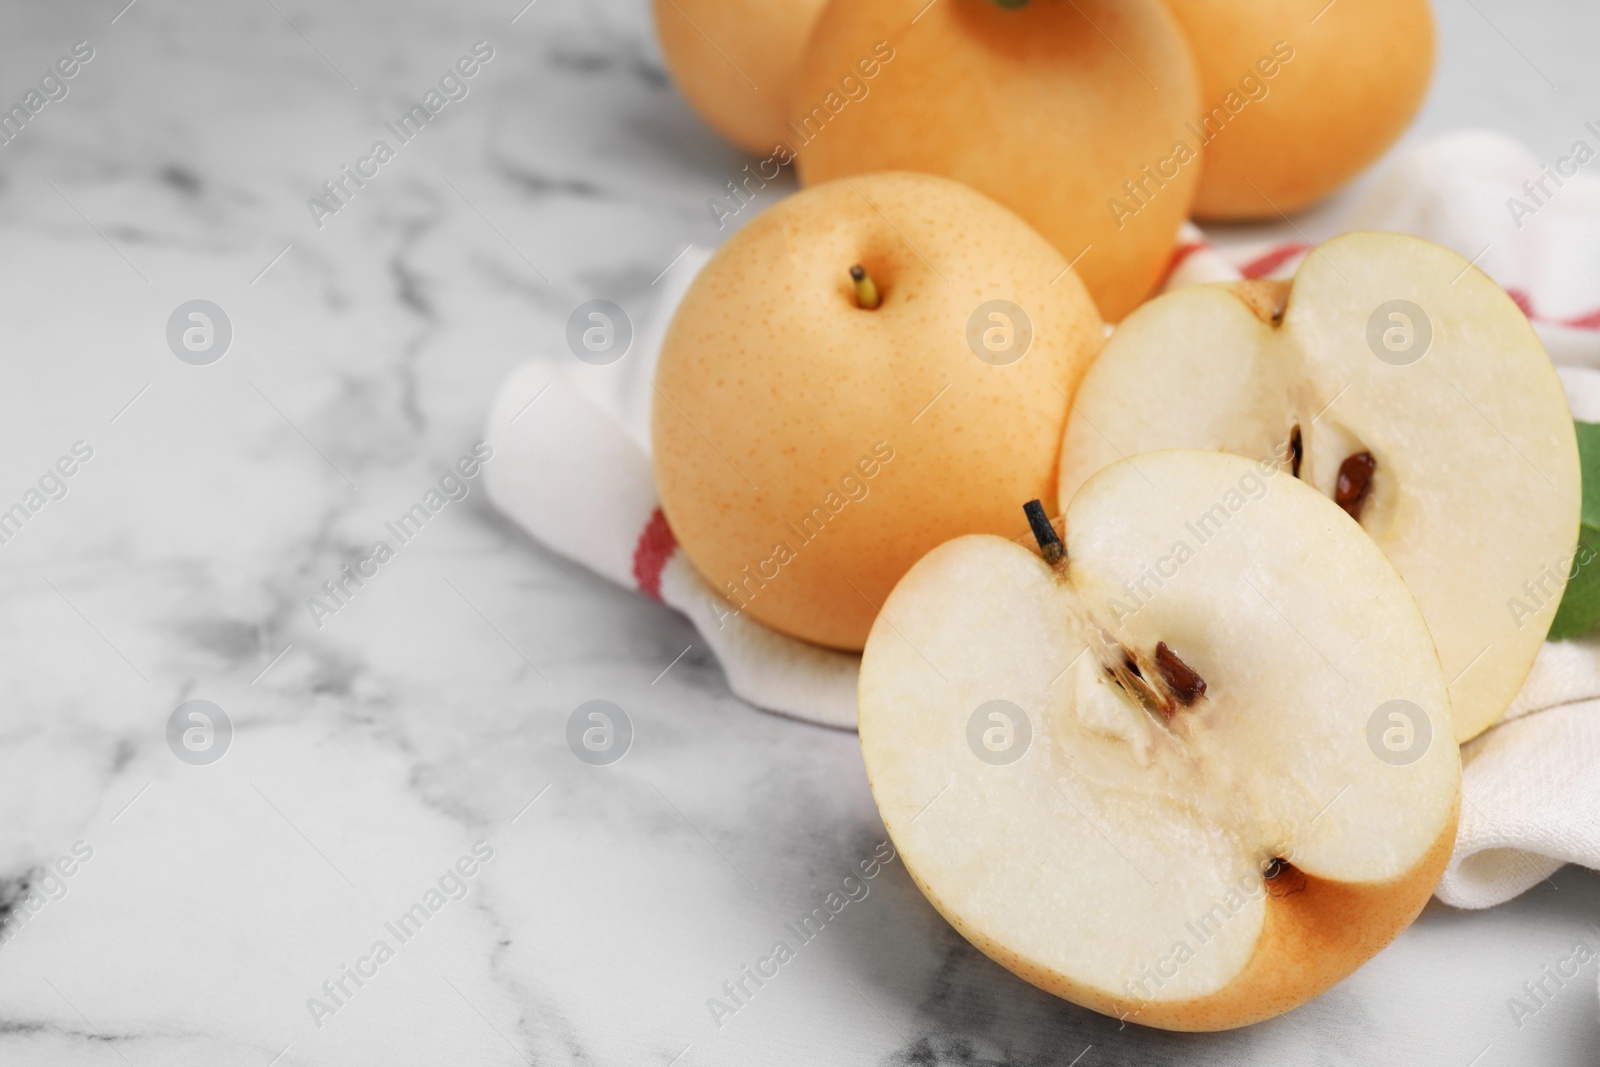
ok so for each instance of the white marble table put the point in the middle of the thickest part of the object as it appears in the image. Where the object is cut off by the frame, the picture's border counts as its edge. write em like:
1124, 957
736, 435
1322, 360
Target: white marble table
210, 909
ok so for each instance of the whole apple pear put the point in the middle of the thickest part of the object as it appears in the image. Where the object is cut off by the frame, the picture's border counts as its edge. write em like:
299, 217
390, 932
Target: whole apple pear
1300, 95
816, 429
1072, 113
735, 61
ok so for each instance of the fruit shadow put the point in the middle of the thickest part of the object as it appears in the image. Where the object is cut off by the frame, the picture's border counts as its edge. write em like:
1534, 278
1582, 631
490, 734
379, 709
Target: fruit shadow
950, 1004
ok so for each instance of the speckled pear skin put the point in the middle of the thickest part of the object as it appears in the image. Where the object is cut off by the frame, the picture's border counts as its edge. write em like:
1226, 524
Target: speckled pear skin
809, 451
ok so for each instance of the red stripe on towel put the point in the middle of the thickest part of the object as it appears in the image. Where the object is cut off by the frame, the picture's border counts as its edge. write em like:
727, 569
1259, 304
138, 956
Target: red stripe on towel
1179, 254
1522, 300
1591, 321
1270, 261
650, 555
1262, 266
1183, 252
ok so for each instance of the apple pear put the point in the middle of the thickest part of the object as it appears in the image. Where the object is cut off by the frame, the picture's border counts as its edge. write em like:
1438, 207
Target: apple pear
1300, 95
1057, 109
1191, 767
1401, 381
735, 62
864, 370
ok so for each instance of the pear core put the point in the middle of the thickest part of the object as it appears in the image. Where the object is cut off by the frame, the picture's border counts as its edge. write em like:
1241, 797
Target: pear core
1195, 840
1398, 380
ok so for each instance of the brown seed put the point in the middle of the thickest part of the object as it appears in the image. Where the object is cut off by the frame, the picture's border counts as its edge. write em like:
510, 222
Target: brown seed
1355, 479
1282, 878
1181, 679
1296, 450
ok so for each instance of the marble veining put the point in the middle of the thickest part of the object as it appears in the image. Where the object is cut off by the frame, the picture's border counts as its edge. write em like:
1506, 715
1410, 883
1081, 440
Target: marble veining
212, 908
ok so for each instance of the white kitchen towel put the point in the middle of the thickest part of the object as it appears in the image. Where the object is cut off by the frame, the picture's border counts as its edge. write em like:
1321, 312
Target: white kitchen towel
1533, 227
572, 467
1530, 784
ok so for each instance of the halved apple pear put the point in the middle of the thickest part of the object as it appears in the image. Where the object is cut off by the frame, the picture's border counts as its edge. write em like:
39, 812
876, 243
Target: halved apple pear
1397, 378
1192, 772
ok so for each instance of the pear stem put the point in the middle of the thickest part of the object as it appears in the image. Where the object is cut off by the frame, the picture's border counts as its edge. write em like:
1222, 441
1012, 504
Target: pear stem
1049, 543
867, 296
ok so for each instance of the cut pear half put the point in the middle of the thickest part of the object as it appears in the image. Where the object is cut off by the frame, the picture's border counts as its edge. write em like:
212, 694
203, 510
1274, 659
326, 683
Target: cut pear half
1190, 774
1397, 378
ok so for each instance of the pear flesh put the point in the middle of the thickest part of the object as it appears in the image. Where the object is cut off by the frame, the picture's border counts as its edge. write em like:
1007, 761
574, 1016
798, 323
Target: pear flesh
1391, 374
1073, 806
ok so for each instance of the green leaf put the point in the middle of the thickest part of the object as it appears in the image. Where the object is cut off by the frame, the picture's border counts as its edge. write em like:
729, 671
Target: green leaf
1589, 461
1580, 604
